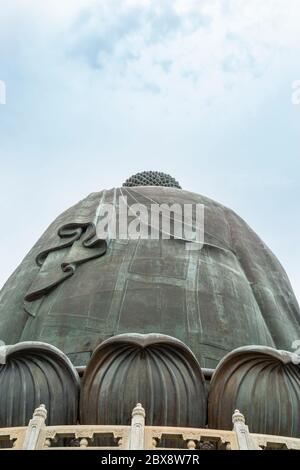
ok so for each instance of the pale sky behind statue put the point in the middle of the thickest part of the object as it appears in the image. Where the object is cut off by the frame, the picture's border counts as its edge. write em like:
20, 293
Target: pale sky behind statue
99, 90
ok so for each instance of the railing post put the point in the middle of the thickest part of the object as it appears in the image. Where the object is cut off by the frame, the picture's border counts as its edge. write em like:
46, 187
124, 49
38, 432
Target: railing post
35, 428
137, 431
243, 436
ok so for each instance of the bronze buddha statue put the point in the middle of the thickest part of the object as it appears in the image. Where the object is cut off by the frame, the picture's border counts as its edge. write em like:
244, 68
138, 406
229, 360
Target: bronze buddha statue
74, 289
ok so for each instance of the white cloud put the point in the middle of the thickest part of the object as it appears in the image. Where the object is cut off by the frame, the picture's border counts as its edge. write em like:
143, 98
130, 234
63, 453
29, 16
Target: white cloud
207, 54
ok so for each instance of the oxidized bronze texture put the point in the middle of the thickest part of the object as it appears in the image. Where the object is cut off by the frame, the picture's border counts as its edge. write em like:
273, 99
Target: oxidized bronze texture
264, 384
156, 370
32, 373
74, 290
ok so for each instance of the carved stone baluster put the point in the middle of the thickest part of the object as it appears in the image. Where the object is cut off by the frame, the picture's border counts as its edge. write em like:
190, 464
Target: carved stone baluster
191, 439
191, 445
243, 436
47, 443
84, 442
154, 442
85, 437
50, 438
35, 428
137, 434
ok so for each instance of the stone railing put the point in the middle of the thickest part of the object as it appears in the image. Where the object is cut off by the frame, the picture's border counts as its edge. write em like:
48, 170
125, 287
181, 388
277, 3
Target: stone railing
38, 436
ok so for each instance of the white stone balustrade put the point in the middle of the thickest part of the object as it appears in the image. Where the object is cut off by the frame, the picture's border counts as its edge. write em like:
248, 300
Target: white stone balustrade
138, 436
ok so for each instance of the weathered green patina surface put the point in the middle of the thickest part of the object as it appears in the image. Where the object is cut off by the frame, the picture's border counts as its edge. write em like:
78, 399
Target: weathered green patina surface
74, 290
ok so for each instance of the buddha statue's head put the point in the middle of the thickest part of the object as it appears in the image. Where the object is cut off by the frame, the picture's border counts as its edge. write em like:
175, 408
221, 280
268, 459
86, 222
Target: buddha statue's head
152, 178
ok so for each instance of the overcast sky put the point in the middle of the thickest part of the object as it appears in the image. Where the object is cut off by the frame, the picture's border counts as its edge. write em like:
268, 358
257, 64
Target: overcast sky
98, 90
